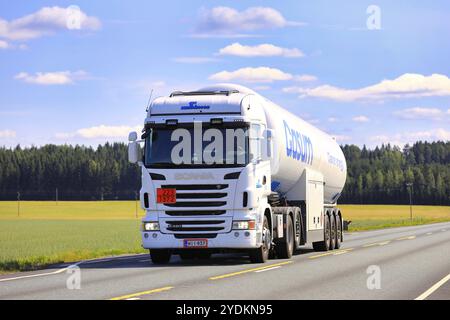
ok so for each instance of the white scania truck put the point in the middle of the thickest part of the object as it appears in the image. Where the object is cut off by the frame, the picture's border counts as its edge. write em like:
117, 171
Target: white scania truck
280, 196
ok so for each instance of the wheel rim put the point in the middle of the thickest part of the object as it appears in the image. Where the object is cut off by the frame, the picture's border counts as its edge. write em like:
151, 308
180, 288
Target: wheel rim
266, 238
332, 232
327, 230
290, 237
339, 230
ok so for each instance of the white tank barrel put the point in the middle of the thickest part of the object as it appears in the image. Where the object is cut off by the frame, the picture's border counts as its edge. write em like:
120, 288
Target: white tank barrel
299, 145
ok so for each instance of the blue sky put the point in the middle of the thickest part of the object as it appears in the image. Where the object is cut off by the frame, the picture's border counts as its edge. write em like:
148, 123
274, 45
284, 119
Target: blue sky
87, 81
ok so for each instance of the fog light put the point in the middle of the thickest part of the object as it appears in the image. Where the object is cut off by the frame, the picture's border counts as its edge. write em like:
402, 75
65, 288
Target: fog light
150, 226
146, 235
236, 234
247, 234
155, 235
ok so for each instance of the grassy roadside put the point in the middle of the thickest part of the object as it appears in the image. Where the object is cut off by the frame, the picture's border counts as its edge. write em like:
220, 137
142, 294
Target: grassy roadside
46, 233
371, 217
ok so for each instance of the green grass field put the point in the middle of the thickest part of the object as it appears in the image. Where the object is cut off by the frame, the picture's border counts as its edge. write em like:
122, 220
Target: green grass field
46, 232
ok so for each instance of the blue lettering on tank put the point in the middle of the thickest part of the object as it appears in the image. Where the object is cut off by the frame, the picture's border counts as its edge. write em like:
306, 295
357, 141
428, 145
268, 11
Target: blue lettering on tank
298, 145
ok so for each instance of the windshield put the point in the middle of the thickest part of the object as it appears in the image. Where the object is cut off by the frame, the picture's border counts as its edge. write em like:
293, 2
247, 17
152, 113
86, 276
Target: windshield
196, 146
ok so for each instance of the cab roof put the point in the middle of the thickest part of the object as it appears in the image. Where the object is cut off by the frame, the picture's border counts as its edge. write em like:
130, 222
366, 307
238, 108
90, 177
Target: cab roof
216, 99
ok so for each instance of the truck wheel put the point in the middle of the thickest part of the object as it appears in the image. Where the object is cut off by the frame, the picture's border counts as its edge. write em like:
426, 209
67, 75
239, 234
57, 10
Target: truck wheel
332, 232
261, 254
285, 247
338, 232
160, 256
324, 245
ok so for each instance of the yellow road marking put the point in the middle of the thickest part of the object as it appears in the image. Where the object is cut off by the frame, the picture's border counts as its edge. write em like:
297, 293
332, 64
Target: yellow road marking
407, 238
143, 293
336, 252
376, 244
249, 270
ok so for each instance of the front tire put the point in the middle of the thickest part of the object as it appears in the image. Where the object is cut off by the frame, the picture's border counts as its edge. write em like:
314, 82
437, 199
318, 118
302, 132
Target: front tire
261, 254
160, 256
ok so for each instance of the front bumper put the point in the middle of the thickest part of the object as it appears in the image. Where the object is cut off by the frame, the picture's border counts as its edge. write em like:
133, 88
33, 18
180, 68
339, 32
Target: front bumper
236, 239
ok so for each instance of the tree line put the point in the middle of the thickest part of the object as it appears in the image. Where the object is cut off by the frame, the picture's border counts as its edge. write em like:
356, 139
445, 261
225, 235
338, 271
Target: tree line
388, 174
384, 175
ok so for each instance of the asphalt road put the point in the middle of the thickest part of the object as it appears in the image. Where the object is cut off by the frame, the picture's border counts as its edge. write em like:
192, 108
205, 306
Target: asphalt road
400, 263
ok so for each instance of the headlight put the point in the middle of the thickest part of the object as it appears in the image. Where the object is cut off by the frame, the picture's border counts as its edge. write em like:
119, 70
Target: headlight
244, 225
150, 226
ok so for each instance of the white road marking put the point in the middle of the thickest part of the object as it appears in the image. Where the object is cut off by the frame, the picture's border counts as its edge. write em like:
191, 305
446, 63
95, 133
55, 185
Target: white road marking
268, 269
133, 299
443, 230
429, 233
42, 274
145, 260
427, 293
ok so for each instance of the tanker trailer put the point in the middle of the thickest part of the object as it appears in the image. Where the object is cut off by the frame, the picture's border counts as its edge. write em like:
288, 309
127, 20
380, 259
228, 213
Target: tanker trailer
226, 170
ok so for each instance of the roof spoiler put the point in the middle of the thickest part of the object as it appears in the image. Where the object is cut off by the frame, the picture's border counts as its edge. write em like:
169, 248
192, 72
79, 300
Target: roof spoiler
202, 93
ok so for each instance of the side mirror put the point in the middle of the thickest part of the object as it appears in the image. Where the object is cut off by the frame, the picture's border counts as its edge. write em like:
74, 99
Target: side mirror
133, 147
133, 152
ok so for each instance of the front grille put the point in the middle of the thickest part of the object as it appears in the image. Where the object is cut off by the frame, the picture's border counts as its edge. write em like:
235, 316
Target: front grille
195, 213
179, 204
195, 186
201, 195
193, 229
195, 225
195, 235
208, 203
172, 222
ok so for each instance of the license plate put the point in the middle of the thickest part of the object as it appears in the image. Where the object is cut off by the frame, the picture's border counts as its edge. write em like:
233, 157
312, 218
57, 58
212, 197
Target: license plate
195, 243
166, 195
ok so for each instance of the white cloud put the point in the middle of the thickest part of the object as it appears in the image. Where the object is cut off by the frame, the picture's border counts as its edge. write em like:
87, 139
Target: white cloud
262, 50
195, 60
408, 85
52, 78
333, 119
419, 113
228, 21
4, 45
305, 78
360, 119
47, 21
101, 131
7, 45
259, 74
7, 134
401, 139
